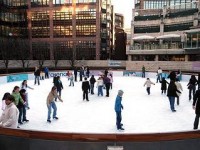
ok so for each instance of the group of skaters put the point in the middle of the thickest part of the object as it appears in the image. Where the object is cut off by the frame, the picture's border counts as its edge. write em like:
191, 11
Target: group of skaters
16, 103
175, 88
14, 106
40, 74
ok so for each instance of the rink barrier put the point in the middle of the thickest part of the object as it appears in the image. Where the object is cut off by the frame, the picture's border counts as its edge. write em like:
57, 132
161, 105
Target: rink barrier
17, 139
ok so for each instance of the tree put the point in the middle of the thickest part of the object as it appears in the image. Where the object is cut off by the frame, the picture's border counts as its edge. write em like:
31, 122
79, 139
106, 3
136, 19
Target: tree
23, 53
6, 52
72, 58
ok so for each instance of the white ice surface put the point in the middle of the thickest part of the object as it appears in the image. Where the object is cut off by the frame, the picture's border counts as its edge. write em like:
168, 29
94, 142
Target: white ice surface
142, 113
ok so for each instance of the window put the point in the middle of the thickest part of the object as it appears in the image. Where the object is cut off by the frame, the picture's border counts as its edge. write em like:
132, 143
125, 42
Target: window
41, 3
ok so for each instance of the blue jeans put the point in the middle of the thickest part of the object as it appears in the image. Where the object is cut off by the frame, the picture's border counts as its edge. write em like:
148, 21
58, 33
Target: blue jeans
118, 119
52, 105
100, 90
171, 101
71, 83
37, 79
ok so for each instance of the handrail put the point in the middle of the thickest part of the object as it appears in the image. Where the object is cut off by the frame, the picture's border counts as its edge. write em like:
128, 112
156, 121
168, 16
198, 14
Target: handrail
59, 136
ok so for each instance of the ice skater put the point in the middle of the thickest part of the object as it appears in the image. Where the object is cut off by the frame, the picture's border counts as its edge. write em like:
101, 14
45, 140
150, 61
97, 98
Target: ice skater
118, 110
92, 82
51, 103
24, 97
163, 85
171, 93
100, 86
196, 106
71, 79
148, 83
25, 86
59, 86
3, 106
85, 88
180, 88
192, 86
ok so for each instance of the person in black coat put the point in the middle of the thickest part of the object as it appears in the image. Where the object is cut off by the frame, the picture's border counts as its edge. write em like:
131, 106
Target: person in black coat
196, 106
37, 75
59, 86
85, 88
172, 75
171, 93
106, 81
192, 86
163, 85
75, 74
92, 82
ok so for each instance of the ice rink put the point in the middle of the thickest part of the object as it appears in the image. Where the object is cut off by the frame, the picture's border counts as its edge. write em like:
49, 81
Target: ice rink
142, 113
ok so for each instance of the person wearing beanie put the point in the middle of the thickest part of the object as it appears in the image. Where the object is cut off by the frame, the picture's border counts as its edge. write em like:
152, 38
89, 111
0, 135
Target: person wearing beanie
9, 117
118, 109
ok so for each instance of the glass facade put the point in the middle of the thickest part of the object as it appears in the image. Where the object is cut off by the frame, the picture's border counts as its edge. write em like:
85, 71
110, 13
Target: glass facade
193, 40
39, 3
159, 4
62, 24
40, 24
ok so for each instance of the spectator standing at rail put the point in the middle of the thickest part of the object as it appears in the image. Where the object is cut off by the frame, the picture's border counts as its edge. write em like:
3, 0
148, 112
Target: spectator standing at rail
143, 71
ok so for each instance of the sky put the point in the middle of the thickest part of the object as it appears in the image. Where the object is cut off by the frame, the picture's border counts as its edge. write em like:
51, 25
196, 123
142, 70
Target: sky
124, 7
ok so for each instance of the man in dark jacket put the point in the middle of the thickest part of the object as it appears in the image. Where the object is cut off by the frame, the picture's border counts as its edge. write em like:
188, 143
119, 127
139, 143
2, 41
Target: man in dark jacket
85, 88
75, 74
196, 106
106, 81
118, 109
37, 75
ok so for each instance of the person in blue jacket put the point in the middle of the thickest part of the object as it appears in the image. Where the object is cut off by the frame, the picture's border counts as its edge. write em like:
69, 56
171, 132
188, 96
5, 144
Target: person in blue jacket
118, 109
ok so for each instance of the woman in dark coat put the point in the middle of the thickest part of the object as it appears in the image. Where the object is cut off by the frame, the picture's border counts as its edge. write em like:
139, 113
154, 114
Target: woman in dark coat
163, 85
171, 93
196, 106
192, 86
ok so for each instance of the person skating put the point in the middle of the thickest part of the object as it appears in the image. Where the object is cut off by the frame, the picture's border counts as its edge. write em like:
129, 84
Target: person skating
37, 75
100, 86
51, 103
196, 107
92, 82
85, 88
171, 93
159, 75
180, 88
59, 87
192, 86
18, 102
71, 79
118, 110
148, 83
75, 74
143, 71
10, 115
24, 97
163, 85
106, 81
3, 106
25, 86
46, 71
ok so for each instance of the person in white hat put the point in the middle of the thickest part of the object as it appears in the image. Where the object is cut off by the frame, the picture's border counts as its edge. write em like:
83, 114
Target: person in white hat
118, 109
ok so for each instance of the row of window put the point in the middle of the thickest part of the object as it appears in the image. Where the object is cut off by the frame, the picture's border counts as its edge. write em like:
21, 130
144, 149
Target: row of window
167, 28
14, 2
12, 17
65, 50
35, 3
6, 31
159, 4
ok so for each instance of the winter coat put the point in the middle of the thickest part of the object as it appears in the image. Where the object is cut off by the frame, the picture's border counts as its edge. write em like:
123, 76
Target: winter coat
92, 80
196, 102
148, 83
118, 104
172, 89
9, 117
164, 84
85, 85
18, 98
106, 80
99, 82
59, 85
37, 72
179, 87
51, 97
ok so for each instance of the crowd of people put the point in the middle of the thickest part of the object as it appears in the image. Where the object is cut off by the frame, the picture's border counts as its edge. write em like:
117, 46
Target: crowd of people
15, 104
